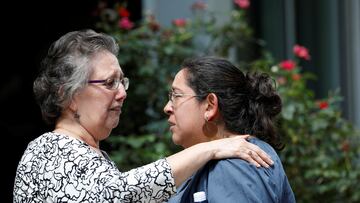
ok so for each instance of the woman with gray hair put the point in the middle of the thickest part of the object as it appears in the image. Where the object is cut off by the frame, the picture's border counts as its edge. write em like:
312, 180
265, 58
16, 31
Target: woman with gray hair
81, 90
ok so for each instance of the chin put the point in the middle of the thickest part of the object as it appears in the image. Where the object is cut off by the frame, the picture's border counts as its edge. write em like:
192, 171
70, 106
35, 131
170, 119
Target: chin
115, 123
176, 140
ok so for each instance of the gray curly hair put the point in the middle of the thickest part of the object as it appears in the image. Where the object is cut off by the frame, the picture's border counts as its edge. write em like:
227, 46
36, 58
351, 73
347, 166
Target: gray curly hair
66, 69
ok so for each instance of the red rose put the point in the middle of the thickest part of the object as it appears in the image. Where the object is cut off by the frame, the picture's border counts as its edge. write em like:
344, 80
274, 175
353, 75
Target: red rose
244, 4
301, 52
125, 23
179, 22
287, 65
323, 105
123, 12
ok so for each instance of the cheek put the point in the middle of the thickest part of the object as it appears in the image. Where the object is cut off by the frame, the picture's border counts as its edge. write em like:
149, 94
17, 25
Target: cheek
97, 106
189, 125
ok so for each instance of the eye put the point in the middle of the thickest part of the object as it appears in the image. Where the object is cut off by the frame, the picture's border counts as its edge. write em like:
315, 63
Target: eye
110, 83
176, 95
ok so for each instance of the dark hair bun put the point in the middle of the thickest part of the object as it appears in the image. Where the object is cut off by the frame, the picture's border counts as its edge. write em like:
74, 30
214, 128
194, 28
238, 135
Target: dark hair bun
263, 93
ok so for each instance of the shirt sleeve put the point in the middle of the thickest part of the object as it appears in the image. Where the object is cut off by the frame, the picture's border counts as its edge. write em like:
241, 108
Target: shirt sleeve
150, 183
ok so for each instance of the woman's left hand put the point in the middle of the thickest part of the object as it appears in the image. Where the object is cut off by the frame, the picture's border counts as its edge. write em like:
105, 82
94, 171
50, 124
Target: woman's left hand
238, 146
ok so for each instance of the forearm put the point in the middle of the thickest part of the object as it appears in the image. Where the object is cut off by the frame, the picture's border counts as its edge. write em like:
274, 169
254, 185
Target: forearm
184, 163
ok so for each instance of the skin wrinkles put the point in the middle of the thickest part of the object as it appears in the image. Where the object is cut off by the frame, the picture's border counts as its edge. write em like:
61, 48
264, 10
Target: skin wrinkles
100, 108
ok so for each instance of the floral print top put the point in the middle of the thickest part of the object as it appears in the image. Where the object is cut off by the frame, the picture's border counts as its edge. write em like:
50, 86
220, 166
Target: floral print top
58, 168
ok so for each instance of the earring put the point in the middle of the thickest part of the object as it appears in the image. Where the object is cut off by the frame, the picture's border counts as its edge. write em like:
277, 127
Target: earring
210, 128
76, 116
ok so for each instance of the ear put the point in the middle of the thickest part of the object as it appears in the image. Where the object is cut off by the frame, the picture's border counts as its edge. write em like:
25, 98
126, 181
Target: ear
212, 106
73, 105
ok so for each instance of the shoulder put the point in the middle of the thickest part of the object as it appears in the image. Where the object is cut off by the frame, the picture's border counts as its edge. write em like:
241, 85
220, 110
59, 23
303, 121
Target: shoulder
264, 146
56, 153
56, 162
239, 170
236, 178
227, 166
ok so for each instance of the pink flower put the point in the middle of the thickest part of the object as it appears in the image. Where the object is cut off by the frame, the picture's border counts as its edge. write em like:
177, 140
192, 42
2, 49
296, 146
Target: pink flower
125, 23
287, 65
179, 22
301, 52
244, 4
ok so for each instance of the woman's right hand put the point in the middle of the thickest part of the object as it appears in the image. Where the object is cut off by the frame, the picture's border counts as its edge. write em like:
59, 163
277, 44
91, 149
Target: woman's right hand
238, 146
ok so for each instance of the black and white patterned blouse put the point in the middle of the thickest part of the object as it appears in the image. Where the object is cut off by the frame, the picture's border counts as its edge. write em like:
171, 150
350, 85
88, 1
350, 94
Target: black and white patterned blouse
58, 168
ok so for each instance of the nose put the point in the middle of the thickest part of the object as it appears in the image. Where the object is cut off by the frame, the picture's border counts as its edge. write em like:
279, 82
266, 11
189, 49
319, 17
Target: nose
121, 93
168, 108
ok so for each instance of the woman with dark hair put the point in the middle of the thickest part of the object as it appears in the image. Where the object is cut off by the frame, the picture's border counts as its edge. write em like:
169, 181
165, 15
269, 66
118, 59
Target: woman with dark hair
211, 99
81, 90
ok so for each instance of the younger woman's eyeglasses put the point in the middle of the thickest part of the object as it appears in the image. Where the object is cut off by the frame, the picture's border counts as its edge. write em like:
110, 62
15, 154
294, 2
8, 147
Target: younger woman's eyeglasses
172, 95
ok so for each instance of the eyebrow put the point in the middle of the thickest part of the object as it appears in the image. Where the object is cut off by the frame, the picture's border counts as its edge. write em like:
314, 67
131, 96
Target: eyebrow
114, 74
176, 89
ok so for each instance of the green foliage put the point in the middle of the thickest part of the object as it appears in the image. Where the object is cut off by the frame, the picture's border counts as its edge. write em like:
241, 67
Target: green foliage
322, 153
322, 156
135, 150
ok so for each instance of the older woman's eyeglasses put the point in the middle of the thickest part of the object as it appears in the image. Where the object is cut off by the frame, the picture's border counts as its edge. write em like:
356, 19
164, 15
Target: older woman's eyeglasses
113, 83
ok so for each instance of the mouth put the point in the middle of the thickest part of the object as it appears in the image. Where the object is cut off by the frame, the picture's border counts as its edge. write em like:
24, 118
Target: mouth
171, 123
116, 108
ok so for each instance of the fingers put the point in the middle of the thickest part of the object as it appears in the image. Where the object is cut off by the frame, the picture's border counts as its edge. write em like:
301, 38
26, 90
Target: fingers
239, 147
261, 156
253, 158
254, 154
247, 156
258, 159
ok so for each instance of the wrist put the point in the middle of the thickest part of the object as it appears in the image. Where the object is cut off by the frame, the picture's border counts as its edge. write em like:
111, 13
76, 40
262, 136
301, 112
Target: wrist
209, 149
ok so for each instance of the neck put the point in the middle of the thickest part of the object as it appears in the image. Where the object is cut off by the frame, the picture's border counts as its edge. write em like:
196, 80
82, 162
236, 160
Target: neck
75, 130
221, 132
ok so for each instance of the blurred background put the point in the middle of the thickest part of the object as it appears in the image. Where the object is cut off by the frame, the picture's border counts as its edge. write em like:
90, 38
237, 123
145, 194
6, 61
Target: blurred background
321, 90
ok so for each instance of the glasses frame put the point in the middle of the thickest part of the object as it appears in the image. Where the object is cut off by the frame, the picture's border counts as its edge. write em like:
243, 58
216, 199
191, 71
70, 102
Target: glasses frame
125, 82
172, 95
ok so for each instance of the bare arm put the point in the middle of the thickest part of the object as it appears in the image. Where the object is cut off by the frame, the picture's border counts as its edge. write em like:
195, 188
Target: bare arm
186, 162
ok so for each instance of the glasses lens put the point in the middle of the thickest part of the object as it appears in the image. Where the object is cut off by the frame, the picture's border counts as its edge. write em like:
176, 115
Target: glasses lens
125, 83
170, 96
111, 83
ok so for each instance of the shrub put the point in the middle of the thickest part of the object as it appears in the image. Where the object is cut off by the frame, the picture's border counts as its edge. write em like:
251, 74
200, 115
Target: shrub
322, 153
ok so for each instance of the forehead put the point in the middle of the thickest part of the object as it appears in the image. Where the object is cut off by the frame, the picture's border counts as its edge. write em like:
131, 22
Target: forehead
180, 81
105, 63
